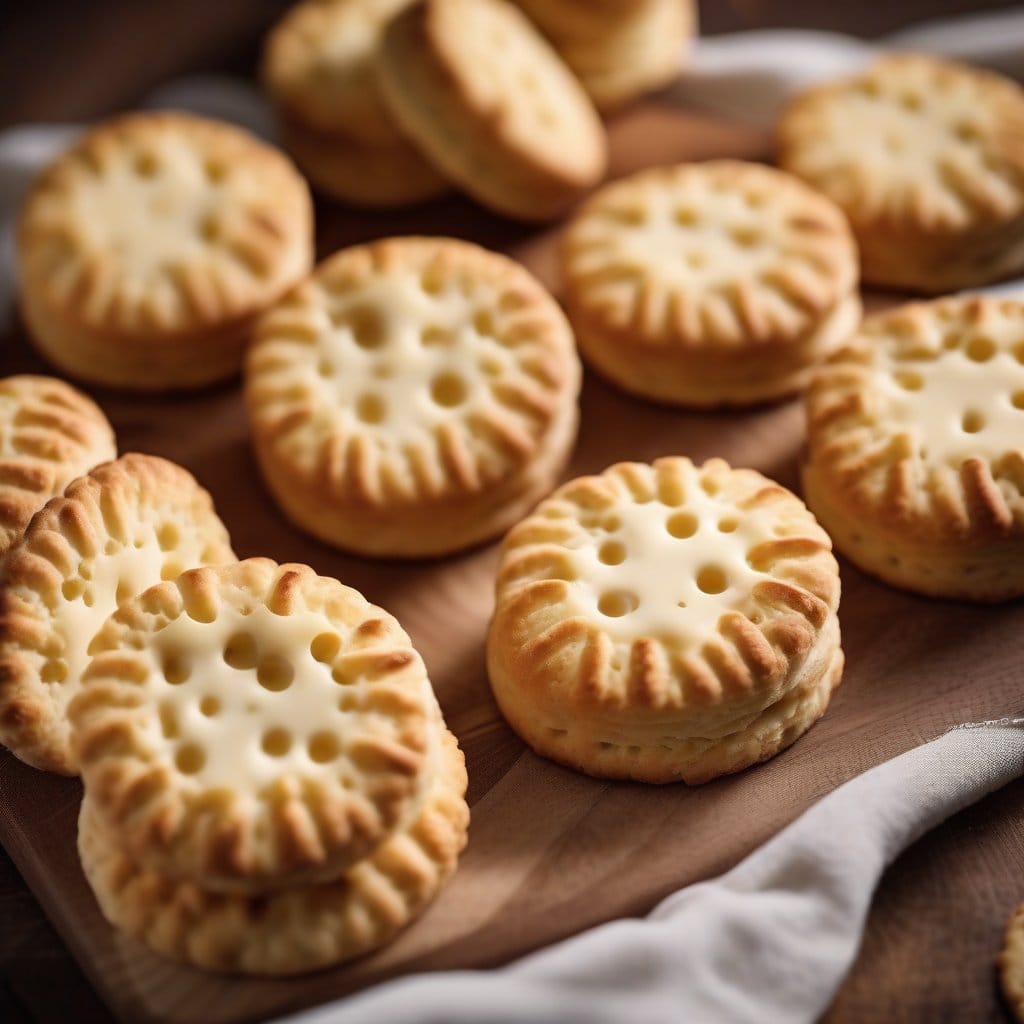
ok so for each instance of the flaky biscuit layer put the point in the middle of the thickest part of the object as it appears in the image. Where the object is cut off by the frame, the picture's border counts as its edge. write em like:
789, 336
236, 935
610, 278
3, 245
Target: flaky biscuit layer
147, 249
297, 929
413, 397
117, 530
253, 726
915, 452
50, 433
926, 157
487, 99
665, 622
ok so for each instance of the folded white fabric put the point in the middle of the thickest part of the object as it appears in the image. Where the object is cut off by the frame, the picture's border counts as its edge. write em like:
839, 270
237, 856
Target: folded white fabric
769, 941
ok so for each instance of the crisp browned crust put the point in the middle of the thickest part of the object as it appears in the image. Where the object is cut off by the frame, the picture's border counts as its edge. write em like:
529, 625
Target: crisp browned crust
297, 929
611, 648
915, 456
147, 249
413, 397
480, 91
114, 532
49, 434
705, 284
252, 726
926, 156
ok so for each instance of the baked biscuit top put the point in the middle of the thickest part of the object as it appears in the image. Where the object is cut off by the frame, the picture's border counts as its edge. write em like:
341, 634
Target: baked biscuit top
412, 369
920, 420
665, 586
721, 254
165, 223
914, 140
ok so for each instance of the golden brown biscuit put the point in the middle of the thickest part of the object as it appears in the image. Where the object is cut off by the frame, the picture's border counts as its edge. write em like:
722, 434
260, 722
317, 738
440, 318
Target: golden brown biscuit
915, 448
292, 930
618, 51
148, 248
665, 622
414, 397
719, 283
253, 726
487, 99
117, 530
49, 434
926, 157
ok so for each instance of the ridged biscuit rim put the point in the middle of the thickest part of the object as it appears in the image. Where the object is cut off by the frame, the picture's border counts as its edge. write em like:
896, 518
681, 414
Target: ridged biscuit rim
57, 433
94, 513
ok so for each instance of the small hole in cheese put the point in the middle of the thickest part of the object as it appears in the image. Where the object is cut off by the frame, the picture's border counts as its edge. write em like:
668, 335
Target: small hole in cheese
275, 673
712, 580
616, 603
190, 759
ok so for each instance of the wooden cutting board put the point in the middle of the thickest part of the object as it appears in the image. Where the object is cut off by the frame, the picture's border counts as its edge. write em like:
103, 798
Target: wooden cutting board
550, 852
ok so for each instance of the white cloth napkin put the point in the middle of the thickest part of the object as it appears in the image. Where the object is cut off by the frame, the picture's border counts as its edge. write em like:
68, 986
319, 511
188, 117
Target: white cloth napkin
772, 939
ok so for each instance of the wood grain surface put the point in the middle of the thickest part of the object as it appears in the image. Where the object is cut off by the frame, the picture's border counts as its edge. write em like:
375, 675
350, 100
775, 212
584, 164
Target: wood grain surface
552, 852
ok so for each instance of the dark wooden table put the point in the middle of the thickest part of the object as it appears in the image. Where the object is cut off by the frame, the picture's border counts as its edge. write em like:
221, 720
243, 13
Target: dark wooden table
935, 925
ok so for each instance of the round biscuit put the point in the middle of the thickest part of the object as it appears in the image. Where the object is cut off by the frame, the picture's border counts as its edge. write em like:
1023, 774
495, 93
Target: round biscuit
718, 283
147, 249
665, 622
926, 157
253, 726
414, 397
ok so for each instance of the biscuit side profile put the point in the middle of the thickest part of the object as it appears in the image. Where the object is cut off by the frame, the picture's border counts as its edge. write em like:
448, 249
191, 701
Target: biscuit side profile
50, 433
926, 157
665, 622
414, 397
915, 450
492, 105
293, 930
253, 726
718, 283
115, 531
148, 248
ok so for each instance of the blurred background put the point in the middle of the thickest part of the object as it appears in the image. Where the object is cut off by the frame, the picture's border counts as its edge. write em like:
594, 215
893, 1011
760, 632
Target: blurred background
75, 59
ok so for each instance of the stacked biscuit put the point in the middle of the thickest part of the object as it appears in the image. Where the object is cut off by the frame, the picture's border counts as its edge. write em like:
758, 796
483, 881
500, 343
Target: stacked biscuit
383, 102
620, 49
269, 785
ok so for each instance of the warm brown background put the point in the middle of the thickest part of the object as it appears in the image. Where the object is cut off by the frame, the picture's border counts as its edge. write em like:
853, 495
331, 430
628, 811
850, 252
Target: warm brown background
936, 919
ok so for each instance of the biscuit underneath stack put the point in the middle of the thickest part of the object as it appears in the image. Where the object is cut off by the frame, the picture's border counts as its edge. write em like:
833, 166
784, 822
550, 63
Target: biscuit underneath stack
319, 68
269, 784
